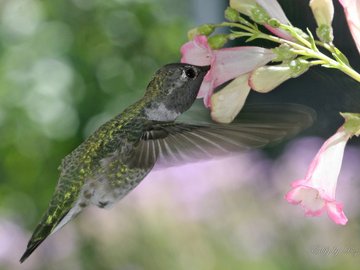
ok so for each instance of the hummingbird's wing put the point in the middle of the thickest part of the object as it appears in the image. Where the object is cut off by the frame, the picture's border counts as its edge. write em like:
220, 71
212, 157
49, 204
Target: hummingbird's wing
178, 143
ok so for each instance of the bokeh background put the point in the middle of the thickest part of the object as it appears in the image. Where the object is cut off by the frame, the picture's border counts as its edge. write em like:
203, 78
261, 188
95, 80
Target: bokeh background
68, 66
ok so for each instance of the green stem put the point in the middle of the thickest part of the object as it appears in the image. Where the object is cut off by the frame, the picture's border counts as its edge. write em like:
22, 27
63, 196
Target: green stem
317, 62
237, 25
302, 50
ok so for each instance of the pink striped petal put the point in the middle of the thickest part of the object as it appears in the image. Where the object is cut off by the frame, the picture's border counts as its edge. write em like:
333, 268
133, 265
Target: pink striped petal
232, 62
352, 13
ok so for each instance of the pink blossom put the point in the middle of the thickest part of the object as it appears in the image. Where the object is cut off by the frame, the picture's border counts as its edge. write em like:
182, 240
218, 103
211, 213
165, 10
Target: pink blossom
226, 64
272, 8
316, 193
352, 13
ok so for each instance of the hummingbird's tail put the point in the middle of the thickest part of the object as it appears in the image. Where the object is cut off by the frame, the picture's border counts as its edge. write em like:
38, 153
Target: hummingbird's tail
36, 241
42, 231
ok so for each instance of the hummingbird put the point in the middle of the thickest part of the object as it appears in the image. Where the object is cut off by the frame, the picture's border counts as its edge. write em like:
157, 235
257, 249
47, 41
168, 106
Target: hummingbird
120, 153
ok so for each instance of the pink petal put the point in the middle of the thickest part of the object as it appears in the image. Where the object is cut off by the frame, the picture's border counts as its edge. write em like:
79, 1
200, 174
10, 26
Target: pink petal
308, 198
274, 9
232, 62
335, 212
196, 52
352, 13
206, 90
279, 32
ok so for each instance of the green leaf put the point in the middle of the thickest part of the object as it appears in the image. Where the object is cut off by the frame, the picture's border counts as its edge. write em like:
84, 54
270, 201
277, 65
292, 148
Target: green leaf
312, 40
338, 55
253, 37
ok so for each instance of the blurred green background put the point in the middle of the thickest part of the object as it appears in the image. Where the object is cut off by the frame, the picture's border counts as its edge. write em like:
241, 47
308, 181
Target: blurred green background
68, 66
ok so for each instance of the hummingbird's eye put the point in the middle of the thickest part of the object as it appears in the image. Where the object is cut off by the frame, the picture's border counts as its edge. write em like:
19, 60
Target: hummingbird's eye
190, 73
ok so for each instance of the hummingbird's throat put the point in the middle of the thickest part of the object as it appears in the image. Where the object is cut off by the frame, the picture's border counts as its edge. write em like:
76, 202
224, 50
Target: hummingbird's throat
159, 112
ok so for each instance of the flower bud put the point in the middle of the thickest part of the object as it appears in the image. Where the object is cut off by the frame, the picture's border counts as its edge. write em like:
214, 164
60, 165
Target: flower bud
202, 30
266, 78
217, 41
298, 67
323, 11
275, 23
243, 6
206, 29
231, 14
283, 53
352, 123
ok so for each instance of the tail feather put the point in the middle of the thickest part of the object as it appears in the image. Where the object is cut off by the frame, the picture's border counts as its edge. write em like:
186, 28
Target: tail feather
42, 231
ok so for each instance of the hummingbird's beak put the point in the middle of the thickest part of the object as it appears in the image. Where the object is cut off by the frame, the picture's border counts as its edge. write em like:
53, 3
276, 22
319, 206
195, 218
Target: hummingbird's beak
205, 68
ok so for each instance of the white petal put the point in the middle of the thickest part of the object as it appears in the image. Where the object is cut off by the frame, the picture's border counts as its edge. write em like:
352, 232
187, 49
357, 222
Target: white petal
325, 168
265, 79
274, 9
323, 11
228, 102
232, 62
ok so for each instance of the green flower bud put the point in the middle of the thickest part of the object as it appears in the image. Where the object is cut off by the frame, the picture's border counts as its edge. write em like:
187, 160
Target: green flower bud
231, 14
298, 67
192, 33
325, 33
217, 41
283, 53
206, 29
273, 23
352, 123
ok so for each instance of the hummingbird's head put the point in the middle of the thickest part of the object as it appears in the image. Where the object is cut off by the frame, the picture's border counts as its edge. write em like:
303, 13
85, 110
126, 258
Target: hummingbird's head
173, 90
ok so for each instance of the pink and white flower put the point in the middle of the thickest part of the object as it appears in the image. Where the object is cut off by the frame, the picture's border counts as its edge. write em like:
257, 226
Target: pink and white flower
272, 8
226, 64
352, 13
316, 193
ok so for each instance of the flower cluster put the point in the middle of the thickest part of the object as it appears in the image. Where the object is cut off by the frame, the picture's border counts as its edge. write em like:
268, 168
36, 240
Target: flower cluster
247, 67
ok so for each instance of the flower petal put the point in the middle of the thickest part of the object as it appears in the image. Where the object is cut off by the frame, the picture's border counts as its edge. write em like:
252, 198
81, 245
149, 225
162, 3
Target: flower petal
228, 102
323, 11
318, 188
325, 168
308, 198
335, 212
274, 9
232, 62
265, 79
352, 13
196, 52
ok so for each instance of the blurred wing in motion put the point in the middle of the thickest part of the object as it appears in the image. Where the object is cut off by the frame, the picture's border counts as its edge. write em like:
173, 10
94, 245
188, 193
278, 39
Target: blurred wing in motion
177, 143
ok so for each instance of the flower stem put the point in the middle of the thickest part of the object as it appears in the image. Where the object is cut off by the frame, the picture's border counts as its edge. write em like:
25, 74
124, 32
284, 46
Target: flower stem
302, 50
